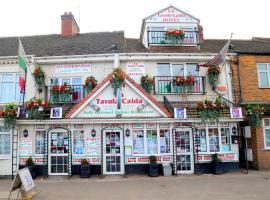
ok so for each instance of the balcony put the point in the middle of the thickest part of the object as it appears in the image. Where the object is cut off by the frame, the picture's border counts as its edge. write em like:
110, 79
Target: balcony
159, 38
164, 85
76, 94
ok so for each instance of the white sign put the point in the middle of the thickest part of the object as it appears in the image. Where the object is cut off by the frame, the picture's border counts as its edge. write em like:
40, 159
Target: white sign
25, 146
56, 113
180, 113
26, 179
236, 112
171, 15
92, 146
105, 105
136, 71
73, 68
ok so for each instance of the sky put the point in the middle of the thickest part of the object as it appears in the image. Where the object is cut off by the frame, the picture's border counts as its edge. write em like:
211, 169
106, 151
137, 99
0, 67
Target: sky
219, 18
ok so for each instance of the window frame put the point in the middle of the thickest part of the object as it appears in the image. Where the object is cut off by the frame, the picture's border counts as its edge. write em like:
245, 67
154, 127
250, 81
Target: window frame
73, 140
7, 156
171, 64
144, 142
268, 74
264, 130
39, 130
13, 82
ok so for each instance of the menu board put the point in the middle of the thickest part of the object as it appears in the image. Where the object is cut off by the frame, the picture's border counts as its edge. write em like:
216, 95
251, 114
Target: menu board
92, 146
25, 147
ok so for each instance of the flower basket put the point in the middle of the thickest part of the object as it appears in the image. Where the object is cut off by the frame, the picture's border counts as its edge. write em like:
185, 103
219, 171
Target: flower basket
213, 74
175, 37
90, 83
35, 108
147, 83
39, 78
182, 84
117, 80
61, 93
254, 113
9, 114
209, 110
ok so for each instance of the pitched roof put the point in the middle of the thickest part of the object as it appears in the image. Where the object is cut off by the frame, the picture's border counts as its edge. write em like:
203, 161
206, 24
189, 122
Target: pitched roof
56, 45
152, 99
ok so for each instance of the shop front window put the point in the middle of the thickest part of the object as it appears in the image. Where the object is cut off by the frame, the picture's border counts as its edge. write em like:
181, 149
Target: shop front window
152, 147
5, 140
266, 124
138, 142
213, 140
78, 140
39, 142
201, 140
225, 139
164, 141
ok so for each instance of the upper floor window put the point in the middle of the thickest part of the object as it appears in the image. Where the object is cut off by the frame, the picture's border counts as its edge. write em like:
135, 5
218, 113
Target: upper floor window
9, 87
167, 69
67, 80
264, 74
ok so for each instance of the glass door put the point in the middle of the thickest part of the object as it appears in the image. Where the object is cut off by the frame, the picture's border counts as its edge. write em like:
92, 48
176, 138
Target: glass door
58, 157
113, 153
184, 151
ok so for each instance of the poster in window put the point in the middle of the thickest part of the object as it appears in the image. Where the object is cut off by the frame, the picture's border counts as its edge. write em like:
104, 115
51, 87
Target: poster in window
180, 113
236, 112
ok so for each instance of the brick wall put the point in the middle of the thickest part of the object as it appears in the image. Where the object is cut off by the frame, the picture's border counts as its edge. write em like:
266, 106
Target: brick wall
252, 93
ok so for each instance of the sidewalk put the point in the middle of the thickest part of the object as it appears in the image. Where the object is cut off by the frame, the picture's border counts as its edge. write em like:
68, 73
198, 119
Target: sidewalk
230, 186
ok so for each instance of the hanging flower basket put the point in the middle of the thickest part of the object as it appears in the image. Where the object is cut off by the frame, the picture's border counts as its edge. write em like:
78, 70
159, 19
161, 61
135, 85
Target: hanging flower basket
209, 110
175, 37
9, 114
90, 83
181, 84
35, 108
39, 78
117, 80
61, 93
147, 83
254, 113
213, 76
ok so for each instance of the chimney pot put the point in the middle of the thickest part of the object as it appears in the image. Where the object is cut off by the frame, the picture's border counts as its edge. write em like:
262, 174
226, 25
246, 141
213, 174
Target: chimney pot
65, 13
69, 25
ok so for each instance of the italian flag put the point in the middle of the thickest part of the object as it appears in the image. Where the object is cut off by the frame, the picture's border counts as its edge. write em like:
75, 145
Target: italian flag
22, 67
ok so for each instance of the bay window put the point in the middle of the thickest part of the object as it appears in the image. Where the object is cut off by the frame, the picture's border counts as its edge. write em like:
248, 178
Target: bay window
9, 87
138, 142
264, 74
213, 139
39, 142
5, 141
152, 144
266, 129
164, 141
78, 142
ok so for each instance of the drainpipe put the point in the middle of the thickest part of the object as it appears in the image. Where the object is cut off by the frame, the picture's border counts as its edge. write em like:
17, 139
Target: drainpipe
239, 79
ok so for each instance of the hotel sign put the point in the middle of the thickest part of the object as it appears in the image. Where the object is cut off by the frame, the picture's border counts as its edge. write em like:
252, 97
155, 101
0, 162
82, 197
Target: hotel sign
136, 71
73, 68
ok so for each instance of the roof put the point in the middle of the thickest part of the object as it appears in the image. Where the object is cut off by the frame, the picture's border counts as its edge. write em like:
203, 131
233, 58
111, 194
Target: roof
101, 43
56, 45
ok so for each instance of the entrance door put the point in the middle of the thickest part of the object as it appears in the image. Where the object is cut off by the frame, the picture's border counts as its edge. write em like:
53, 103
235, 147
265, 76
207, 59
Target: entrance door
184, 151
58, 153
113, 152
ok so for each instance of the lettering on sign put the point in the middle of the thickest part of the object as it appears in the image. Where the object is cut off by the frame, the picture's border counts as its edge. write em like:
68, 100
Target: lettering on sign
146, 159
73, 68
135, 71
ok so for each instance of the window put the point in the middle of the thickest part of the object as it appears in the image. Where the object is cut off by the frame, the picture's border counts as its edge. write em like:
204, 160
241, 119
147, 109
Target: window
213, 140
163, 70
225, 140
39, 149
152, 147
9, 87
201, 140
264, 74
167, 69
138, 142
5, 141
165, 141
266, 124
78, 140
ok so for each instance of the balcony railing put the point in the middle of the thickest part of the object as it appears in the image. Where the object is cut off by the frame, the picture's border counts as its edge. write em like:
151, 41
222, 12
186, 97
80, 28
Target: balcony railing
77, 94
164, 85
159, 38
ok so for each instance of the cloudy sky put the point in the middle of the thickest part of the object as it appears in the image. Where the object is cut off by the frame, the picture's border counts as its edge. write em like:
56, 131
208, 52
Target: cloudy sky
244, 18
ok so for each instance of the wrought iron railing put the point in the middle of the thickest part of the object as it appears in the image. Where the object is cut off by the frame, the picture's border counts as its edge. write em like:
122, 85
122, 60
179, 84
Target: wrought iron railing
165, 85
160, 38
77, 94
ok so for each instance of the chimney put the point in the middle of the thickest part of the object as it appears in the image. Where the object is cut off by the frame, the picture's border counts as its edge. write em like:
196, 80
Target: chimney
69, 25
200, 34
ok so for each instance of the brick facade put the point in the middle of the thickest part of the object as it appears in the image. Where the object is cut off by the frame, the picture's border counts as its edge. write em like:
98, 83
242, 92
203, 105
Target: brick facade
251, 93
